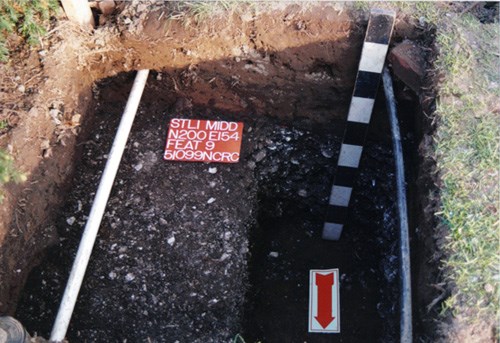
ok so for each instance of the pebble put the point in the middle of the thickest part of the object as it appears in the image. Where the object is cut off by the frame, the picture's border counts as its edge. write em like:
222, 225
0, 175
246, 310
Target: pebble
70, 220
21, 89
327, 151
224, 257
138, 166
129, 277
142, 8
211, 200
212, 170
302, 193
112, 275
107, 7
260, 156
273, 254
171, 241
247, 17
45, 144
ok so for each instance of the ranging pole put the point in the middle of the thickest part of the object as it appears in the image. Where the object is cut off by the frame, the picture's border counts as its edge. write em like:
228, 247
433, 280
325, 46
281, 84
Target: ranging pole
378, 35
79, 11
101, 198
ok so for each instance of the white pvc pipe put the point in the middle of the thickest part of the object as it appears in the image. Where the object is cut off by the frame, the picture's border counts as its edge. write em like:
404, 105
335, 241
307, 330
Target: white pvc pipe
101, 198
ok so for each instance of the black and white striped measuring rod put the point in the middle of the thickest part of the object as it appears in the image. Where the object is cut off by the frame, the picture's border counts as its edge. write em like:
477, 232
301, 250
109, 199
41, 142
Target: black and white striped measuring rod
372, 60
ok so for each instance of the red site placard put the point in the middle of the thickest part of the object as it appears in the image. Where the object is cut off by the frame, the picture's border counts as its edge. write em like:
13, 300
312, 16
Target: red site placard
194, 140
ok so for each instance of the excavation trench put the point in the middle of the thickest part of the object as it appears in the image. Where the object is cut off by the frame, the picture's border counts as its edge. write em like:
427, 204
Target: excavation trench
195, 252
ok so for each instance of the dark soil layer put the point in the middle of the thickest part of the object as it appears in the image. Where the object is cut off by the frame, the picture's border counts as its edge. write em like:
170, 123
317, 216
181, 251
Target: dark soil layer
291, 213
170, 264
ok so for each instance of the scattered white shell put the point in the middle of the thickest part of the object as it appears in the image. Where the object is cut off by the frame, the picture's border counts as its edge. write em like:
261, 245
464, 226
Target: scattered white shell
212, 170
260, 155
70, 220
138, 166
171, 241
224, 257
211, 200
273, 254
112, 275
327, 151
129, 277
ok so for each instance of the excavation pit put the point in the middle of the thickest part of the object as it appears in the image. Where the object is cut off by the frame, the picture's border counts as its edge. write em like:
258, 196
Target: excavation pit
200, 252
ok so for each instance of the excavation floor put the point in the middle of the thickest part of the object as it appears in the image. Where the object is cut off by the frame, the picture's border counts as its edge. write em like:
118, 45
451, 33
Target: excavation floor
183, 253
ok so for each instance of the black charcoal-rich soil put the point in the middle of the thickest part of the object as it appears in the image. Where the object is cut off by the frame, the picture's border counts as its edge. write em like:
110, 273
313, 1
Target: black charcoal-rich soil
197, 252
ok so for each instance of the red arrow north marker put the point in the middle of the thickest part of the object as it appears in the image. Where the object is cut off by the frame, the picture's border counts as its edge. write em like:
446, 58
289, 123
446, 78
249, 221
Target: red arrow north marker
324, 283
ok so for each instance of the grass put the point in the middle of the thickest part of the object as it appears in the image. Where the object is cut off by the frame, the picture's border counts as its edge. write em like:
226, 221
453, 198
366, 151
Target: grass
467, 154
466, 149
26, 18
8, 172
203, 10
